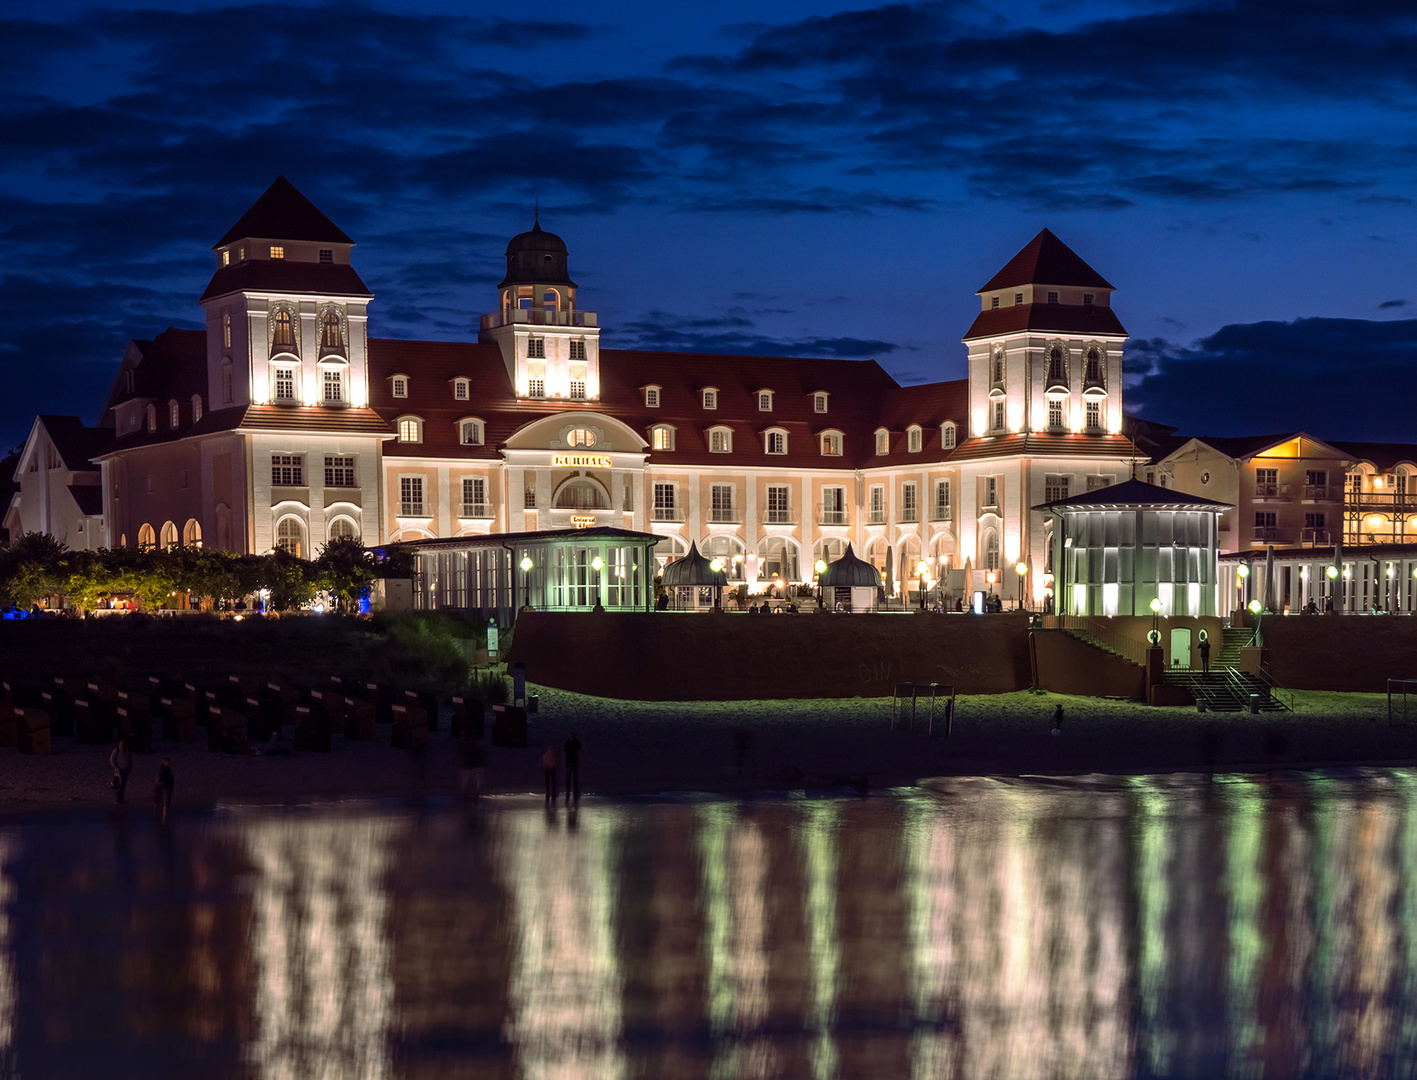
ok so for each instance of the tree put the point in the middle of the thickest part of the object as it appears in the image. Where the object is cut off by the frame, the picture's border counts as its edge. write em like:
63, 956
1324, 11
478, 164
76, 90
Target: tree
344, 569
29, 569
290, 580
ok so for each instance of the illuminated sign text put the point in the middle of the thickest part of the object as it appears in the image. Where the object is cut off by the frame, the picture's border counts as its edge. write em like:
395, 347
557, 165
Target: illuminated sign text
580, 461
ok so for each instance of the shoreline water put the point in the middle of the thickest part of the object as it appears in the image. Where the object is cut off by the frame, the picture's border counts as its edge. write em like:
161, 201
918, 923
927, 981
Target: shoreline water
639, 749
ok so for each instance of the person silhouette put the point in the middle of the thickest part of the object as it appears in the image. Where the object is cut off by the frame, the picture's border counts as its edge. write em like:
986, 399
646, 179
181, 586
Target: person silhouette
573, 767
1058, 720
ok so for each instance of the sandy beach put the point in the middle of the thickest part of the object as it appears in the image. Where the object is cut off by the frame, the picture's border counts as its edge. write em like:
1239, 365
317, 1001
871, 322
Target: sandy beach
645, 748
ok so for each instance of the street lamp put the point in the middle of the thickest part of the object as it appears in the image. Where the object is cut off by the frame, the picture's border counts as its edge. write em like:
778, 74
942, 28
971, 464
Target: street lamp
526, 565
921, 569
1256, 608
1332, 574
1154, 635
820, 566
1021, 568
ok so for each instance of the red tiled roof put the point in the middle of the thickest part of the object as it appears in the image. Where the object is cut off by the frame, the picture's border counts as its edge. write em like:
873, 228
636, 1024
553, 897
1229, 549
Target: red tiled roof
287, 276
282, 213
1046, 260
1062, 318
1047, 445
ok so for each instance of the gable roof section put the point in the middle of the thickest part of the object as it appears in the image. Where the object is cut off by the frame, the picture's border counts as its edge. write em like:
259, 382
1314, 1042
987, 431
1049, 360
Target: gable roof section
282, 213
1046, 260
1382, 456
1245, 447
88, 498
76, 443
1060, 318
286, 276
1134, 493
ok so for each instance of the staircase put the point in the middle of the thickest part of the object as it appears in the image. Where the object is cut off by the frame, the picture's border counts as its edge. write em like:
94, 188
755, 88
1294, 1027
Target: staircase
1228, 689
1232, 643
1097, 643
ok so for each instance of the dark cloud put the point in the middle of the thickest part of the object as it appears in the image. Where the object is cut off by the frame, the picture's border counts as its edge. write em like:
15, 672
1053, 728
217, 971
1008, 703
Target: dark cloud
1393, 304
1334, 378
730, 333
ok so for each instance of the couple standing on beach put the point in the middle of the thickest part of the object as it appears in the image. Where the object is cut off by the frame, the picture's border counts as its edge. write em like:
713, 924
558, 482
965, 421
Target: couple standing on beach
121, 760
550, 762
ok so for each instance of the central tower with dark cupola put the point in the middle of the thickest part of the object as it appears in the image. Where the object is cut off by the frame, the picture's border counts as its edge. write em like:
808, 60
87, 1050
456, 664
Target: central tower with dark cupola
551, 348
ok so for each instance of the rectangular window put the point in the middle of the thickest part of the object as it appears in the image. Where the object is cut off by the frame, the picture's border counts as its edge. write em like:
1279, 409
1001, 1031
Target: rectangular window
472, 432
1018, 299
529, 499
651, 397
173, 414
536, 388
226, 257
991, 491
1087, 299
765, 401
228, 387
914, 439
1055, 413
883, 443
1316, 477
1264, 519
942, 500
577, 389
226, 329
287, 470
819, 402
1095, 483
1313, 521
277, 251
1052, 298
182, 478
339, 472
833, 506
878, 505
664, 502
536, 348
947, 436
720, 441
777, 442
993, 302
1055, 488
474, 497
1094, 414
460, 390
285, 384
908, 506
1266, 483
721, 503
662, 438
999, 415
779, 505
831, 444
411, 496
710, 399
400, 385
578, 349
327, 255
334, 386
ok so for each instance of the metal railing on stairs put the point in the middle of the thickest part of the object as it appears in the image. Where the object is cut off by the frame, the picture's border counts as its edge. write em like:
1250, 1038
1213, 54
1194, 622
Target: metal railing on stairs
1127, 647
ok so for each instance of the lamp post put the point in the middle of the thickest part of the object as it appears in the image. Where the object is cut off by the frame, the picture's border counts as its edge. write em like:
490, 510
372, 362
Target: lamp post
1021, 568
1257, 610
1332, 574
921, 569
526, 565
1241, 573
597, 564
990, 577
1155, 636
820, 566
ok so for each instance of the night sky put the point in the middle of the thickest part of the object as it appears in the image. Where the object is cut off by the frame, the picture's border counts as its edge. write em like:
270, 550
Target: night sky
837, 181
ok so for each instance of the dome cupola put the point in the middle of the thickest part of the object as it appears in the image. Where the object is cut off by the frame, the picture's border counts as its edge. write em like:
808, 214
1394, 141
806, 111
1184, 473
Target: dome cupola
536, 257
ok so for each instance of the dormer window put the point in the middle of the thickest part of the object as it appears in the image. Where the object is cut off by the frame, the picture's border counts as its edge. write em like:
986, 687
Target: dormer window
651, 397
399, 384
196, 407
764, 401
883, 442
226, 257
915, 438
661, 437
947, 435
460, 389
152, 419
720, 440
775, 442
710, 396
277, 251
410, 429
819, 402
831, 444
470, 432
173, 415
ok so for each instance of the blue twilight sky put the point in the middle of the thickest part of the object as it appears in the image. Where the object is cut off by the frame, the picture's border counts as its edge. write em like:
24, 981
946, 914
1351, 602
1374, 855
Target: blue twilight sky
813, 178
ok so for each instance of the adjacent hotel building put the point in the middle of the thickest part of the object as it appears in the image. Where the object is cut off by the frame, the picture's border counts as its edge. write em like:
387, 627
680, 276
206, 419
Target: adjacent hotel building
284, 423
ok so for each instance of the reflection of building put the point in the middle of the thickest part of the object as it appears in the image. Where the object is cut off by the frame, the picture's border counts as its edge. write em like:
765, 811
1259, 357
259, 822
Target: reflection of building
282, 424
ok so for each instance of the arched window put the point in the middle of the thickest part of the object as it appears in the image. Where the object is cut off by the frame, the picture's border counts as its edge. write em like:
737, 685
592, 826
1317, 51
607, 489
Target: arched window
341, 528
999, 365
1094, 366
991, 551
831, 444
720, 440
228, 382
580, 437
169, 536
915, 438
662, 437
775, 442
146, 537
331, 333
470, 432
152, 418
282, 332
290, 537
410, 429
192, 533
947, 435
196, 407
883, 442
582, 494
1055, 365
174, 415
549, 299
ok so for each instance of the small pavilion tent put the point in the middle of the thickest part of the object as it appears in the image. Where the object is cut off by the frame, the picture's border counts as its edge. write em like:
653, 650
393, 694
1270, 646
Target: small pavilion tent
693, 580
850, 583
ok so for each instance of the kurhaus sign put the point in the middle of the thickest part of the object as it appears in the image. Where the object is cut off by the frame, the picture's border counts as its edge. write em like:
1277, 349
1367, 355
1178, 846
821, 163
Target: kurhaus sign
579, 522
580, 461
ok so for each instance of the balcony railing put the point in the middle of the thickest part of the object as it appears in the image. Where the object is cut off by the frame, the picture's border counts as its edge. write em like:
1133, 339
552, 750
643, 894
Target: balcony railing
1316, 491
1266, 535
1316, 537
876, 517
408, 508
831, 517
907, 515
538, 317
780, 517
1271, 491
476, 510
725, 515
1405, 502
666, 513
942, 513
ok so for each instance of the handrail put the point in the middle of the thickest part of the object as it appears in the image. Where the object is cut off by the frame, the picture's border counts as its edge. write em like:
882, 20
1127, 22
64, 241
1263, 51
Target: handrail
1130, 647
1275, 689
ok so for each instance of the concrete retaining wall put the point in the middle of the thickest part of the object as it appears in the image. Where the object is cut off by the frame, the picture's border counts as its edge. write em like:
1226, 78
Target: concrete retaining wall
1340, 652
662, 656
1066, 665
